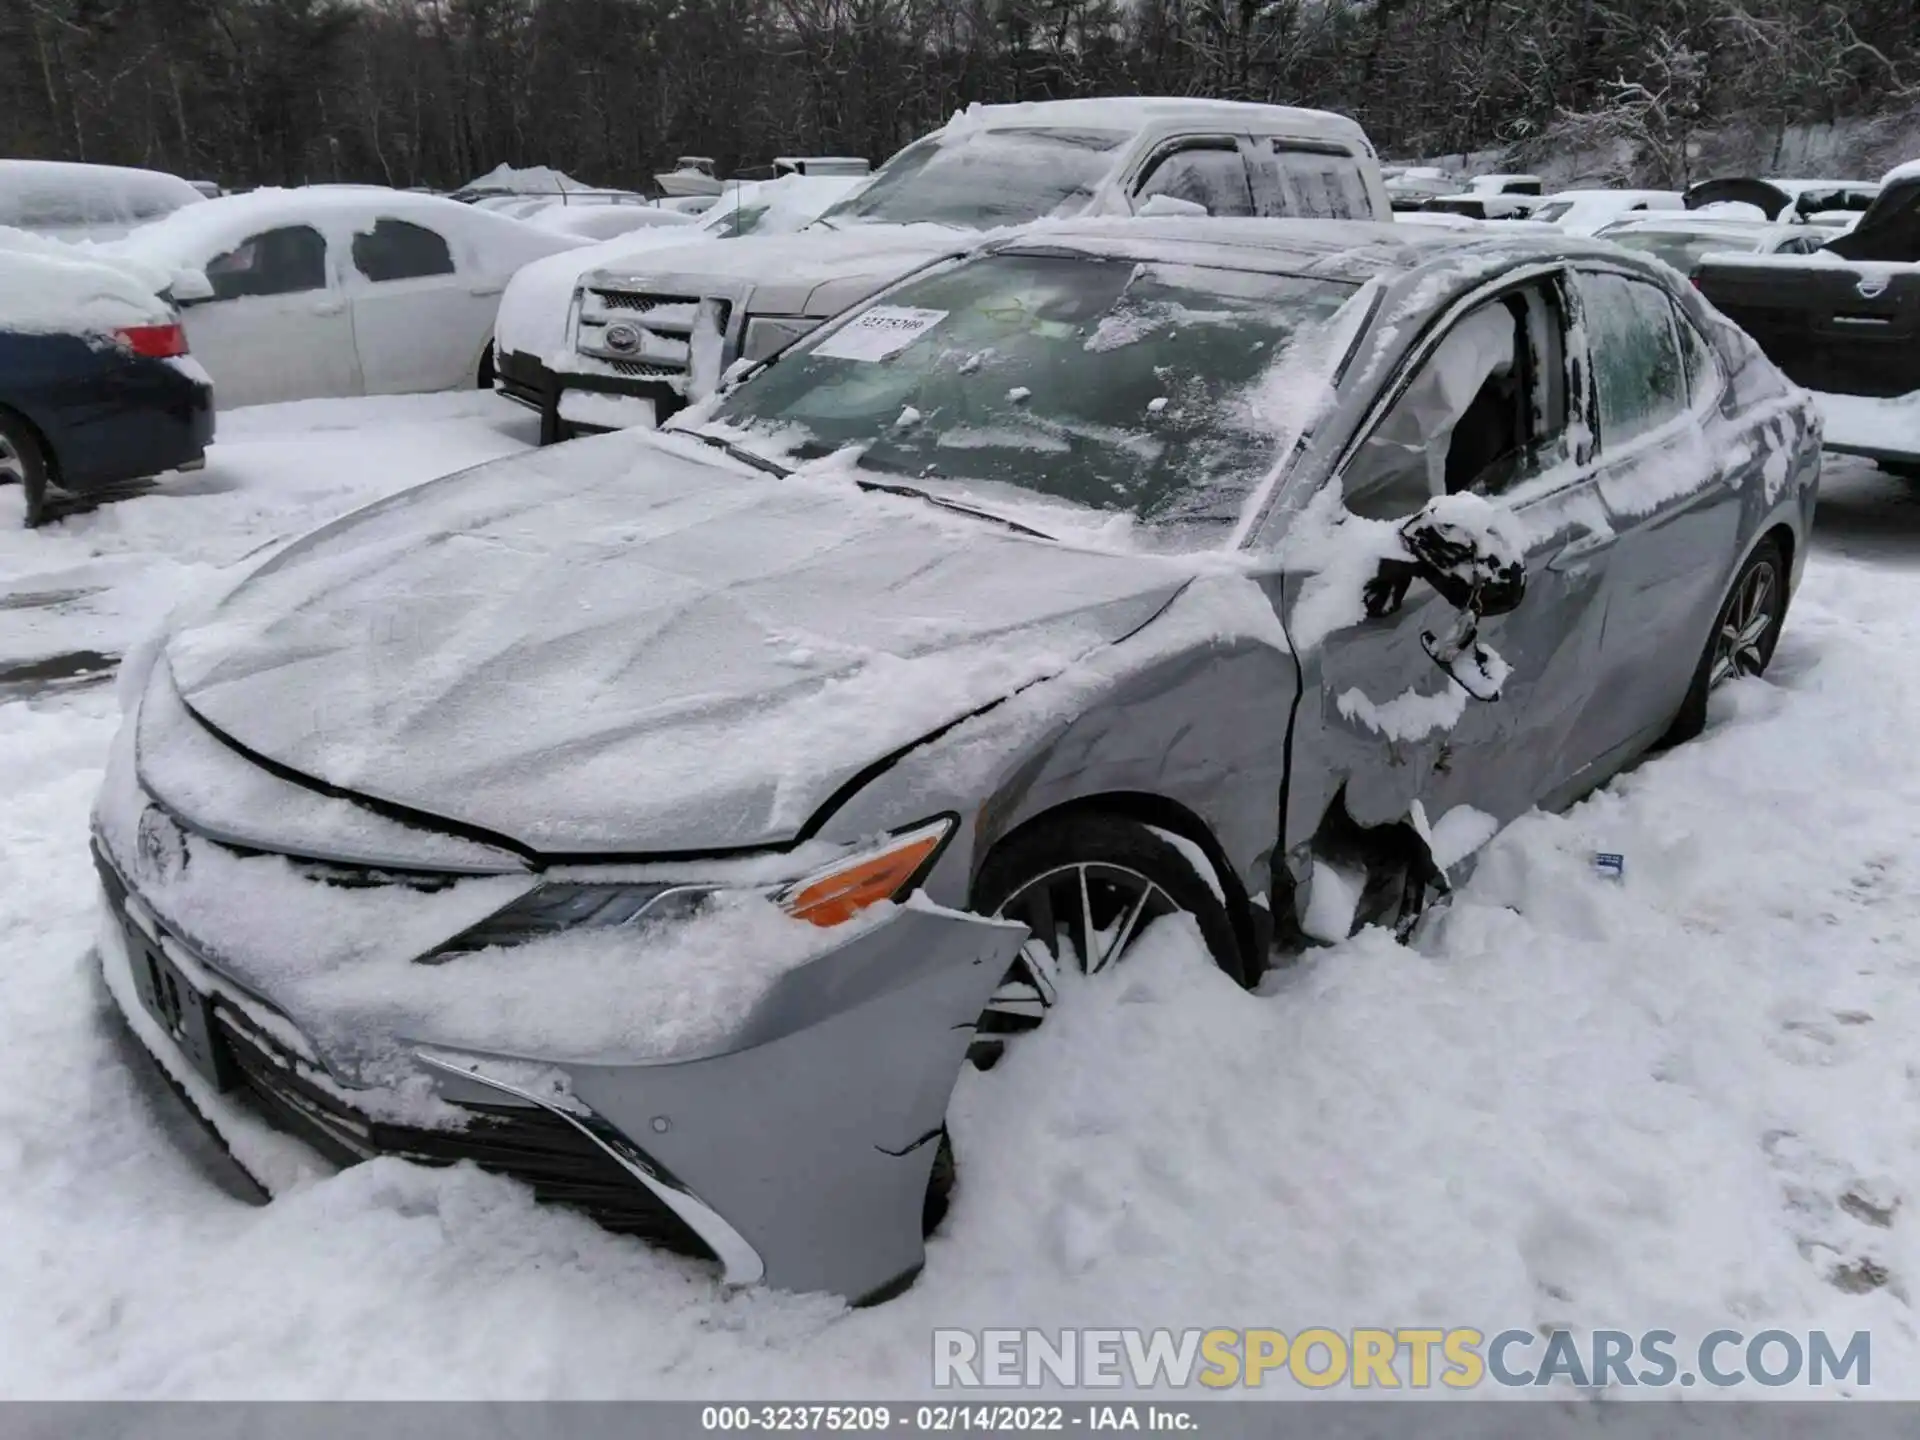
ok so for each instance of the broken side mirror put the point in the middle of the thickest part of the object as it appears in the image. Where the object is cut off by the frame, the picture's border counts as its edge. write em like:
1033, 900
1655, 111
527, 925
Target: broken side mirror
1475, 668
1467, 549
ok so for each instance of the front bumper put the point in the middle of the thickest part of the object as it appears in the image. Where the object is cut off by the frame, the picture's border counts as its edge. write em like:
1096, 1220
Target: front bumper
796, 1154
529, 381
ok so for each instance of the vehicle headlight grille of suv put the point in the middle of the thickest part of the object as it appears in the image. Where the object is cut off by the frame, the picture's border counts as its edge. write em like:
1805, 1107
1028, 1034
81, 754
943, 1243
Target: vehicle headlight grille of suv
831, 895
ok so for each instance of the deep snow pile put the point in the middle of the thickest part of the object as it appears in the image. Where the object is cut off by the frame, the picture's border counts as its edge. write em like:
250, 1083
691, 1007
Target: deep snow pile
1581, 1101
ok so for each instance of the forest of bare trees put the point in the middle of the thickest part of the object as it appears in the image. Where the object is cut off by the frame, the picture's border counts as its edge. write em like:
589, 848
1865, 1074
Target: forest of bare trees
432, 92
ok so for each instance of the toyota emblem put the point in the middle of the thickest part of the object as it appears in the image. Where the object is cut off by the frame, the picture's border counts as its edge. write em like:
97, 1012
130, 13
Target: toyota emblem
159, 846
623, 338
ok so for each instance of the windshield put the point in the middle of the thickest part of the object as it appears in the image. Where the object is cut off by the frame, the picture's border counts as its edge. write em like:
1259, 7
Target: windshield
978, 179
1153, 390
1683, 249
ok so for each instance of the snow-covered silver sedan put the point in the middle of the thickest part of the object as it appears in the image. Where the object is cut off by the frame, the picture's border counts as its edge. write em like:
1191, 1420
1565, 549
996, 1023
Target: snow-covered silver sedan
665, 818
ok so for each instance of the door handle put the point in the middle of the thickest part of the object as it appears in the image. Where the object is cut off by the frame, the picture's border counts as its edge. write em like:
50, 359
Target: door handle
486, 289
1576, 553
329, 307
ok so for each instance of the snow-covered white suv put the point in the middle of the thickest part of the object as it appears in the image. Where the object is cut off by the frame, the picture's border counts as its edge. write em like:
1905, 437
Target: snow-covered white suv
647, 338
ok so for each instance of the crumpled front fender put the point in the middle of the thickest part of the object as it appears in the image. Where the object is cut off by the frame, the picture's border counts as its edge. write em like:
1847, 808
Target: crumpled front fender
800, 1149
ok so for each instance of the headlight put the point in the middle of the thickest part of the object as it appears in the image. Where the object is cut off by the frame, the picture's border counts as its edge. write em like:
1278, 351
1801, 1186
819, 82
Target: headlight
766, 334
829, 896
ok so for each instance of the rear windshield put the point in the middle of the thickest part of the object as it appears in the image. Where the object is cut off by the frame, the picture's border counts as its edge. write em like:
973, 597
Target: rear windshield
979, 179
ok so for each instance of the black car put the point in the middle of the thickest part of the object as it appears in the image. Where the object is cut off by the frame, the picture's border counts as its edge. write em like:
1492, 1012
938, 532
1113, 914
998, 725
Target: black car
96, 389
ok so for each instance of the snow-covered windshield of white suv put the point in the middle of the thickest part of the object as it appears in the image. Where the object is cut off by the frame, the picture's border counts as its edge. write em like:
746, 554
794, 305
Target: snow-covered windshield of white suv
1140, 388
979, 179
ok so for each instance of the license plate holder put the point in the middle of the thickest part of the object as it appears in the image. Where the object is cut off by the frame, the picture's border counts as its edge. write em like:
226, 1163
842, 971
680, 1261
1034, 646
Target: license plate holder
184, 1013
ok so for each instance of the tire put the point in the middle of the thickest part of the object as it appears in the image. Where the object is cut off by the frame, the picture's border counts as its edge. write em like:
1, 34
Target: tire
22, 459
483, 376
1736, 645
1047, 858
1035, 874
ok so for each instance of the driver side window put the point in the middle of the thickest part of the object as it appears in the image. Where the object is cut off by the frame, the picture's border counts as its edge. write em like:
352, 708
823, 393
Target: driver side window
1205, 172
1484, 410
286, 261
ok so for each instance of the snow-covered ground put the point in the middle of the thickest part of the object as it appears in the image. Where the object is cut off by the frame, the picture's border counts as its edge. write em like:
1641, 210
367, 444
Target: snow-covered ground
1678, 1100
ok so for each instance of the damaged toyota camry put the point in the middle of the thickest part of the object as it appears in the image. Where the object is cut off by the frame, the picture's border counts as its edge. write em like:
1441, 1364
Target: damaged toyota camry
665, 819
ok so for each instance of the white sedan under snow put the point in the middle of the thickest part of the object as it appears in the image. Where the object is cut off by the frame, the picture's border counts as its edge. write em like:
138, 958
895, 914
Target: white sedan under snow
338, 290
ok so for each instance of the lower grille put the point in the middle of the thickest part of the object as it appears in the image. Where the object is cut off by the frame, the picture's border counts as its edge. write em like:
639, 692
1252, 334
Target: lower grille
529, 1144
641, 369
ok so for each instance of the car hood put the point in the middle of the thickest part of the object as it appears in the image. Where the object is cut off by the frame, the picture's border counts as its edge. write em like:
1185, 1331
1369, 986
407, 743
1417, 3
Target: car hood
811, 272
634, 645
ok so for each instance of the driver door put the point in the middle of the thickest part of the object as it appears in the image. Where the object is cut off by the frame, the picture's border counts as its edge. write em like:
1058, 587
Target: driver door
277, 326
1485, 407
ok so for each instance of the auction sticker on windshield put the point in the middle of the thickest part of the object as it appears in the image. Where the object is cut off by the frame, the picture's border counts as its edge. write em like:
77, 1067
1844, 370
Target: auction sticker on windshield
883, 331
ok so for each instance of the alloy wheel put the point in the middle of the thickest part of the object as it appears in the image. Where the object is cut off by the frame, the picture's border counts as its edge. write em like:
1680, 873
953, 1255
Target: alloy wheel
1739, 645
13, 468
1083, 917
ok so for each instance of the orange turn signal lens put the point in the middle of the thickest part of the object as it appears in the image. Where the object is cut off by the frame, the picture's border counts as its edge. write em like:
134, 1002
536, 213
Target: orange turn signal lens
835, 896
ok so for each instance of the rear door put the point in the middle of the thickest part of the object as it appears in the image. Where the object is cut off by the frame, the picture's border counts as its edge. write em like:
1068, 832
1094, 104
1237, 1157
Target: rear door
1847, 329
278, 326
1676, 521
419, 322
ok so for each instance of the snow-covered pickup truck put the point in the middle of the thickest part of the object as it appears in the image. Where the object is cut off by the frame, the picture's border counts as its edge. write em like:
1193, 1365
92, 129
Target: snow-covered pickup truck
648, 338
1844, 322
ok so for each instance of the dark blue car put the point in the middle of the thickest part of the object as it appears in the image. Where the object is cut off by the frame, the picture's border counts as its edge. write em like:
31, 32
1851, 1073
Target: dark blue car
94, 392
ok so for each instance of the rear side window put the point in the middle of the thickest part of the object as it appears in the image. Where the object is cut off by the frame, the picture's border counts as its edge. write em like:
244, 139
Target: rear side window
286, 261
1316, 185
397, 250
1639, 375
1210, 174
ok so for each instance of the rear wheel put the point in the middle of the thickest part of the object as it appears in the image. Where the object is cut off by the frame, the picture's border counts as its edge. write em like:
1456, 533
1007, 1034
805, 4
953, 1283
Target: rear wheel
22, 461
1087, 887
1743, 638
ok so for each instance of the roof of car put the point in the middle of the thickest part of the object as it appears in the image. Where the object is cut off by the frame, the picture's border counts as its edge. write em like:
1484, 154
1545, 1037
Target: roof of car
1138, 112
1353, 250
182, 237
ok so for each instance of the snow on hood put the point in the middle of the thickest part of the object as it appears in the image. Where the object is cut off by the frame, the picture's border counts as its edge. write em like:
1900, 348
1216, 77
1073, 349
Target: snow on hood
805, 274
630, 644
47, 288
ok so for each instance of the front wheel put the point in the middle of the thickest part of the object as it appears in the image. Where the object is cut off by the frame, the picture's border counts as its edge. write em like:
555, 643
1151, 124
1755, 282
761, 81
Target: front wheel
1743, 638
1087, 887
